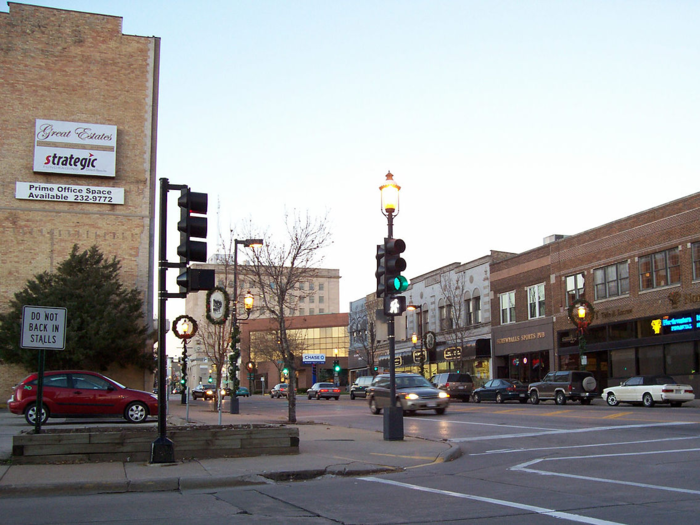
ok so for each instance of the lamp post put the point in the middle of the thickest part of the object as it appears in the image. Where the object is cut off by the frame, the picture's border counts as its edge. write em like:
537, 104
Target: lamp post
248, 305
419, 307
581, 313
393, 414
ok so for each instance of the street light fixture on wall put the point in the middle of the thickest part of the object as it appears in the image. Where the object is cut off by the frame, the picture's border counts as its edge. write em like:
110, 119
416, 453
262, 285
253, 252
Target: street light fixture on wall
393, 414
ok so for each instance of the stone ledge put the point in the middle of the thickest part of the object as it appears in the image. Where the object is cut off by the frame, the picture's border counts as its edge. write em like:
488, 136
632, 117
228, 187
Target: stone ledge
99, 444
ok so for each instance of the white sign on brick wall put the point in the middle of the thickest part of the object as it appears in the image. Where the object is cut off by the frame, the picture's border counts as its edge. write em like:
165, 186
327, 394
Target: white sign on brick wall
75, 148
36, 191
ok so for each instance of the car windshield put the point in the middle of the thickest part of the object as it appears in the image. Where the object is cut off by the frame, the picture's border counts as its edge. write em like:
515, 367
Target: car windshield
412, 382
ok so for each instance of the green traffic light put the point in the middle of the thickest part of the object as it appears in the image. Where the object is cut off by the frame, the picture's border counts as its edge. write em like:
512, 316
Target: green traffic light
400, 283
210, 379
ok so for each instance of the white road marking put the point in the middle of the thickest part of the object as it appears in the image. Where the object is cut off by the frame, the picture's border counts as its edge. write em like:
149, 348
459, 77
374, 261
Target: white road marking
480, 424
520, 506
575, 431
523, 467
569, 447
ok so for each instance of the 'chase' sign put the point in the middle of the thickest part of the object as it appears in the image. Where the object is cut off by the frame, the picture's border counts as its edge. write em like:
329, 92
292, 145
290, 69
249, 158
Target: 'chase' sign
312, 359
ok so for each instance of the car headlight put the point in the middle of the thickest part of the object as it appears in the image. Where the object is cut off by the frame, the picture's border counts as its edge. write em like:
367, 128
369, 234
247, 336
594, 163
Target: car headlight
443, 395
412, 396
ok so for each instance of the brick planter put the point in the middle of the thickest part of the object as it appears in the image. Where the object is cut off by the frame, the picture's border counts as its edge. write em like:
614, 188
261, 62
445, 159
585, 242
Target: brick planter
133, 444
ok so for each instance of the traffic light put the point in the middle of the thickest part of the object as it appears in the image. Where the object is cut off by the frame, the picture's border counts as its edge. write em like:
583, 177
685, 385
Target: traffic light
394, 264
394, 305
210, 379
285, 371
250, 366
379, 274
336, 366
189, 250
376, 369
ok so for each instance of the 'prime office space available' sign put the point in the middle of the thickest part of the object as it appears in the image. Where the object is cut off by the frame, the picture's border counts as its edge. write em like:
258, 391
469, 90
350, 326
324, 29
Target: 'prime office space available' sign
75, 148
36, 191
43, 327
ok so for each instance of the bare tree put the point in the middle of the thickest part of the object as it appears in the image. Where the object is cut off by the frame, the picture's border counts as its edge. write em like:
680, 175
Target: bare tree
363, 323
278, 269
456, 327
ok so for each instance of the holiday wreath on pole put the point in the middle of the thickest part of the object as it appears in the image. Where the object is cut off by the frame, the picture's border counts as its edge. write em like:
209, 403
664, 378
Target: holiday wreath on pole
188, 331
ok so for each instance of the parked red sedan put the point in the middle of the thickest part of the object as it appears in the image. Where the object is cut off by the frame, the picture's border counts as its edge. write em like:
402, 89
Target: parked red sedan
79, 393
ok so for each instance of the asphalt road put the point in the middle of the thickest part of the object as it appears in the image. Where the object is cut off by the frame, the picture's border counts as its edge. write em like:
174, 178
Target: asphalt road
522, 464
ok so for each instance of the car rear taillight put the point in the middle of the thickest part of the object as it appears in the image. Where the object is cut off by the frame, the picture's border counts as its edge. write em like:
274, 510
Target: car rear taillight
571, 387
447, 385
667, 390
688, 391
510, 389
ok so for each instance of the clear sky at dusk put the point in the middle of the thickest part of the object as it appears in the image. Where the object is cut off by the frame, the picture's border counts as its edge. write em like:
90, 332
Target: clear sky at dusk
503, 121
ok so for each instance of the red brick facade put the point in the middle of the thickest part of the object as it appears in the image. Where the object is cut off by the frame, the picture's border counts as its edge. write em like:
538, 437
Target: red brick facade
620, 341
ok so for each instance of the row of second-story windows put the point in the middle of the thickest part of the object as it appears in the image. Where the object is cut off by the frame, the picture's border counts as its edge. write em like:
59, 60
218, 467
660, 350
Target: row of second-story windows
312, 299
656, 270
535, 304
471, 314
311, 286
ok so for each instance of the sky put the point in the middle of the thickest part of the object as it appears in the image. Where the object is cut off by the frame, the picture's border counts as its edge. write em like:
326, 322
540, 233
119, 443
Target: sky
503, 122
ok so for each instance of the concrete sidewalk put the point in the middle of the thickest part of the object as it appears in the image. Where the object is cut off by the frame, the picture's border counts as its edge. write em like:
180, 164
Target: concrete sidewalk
324, 450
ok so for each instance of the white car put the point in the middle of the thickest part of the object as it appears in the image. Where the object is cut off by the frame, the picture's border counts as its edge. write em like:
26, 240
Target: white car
649, 390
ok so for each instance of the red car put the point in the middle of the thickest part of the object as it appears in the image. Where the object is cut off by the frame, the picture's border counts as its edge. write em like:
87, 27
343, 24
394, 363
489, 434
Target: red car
79, 393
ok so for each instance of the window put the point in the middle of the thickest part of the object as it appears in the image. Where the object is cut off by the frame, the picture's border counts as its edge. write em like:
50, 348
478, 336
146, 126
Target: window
302, 286
476, 309
507, 307
320, 287
302, 299
312, 311
321, 299
311, 287
612, 281
468, 319
659, 269
574, 288
696, 260
302, 311
535, 301
321, 311
311, 299
680, 359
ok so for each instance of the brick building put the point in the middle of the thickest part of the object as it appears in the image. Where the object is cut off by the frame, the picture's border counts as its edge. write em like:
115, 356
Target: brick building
77, 156
641, 274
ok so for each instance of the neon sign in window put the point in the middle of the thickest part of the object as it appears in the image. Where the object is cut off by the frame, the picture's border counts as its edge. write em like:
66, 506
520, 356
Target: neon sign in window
678, 324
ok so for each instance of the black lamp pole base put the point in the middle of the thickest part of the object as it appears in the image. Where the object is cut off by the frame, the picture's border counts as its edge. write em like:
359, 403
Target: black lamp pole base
233, 406
162, 451
393, 423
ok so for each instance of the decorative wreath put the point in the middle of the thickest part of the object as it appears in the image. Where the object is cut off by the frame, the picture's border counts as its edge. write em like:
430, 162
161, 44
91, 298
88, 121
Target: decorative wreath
177, 322
225, 306
582, 324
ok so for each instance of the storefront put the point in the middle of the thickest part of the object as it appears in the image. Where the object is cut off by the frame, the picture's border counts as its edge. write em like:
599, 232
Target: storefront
524, 351
474, 357
665, 344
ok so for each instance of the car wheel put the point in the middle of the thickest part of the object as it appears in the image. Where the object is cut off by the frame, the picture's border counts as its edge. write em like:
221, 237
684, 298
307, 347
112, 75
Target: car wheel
373, 407
352, 396
477, 398
534, 397
136, 412
30, 414
310, 396
647, 400
499, 398
440, 411
560, 398
612, 400
318, 397
589, 384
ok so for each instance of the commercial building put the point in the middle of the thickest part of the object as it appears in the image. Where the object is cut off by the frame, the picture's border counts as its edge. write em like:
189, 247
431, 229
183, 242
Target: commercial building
77, 157
640, 273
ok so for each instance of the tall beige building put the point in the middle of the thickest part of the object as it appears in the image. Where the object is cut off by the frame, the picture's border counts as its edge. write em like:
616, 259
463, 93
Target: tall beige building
78, 149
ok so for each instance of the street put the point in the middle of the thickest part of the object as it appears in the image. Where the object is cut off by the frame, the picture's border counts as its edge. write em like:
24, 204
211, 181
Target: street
521, 464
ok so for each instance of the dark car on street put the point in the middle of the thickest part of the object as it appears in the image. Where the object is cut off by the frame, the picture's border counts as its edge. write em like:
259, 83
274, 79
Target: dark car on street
204, 392
413, 392
457, 385
80, 393
563, 386
323, 391
501, 390
360, 386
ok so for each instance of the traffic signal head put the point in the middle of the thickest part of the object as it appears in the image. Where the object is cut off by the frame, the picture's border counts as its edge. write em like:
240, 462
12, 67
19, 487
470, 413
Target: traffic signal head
210, 379
182, 380
192, 226
379, 274
394, 264
285, 371
250, 366
336, 366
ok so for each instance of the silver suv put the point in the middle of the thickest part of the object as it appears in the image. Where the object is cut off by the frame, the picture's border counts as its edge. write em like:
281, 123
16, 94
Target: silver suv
458, 385
564, 386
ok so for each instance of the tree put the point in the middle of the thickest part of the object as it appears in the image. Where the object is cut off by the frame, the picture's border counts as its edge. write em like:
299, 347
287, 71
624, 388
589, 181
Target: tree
363, 328
456, 329
105, 320
278, 268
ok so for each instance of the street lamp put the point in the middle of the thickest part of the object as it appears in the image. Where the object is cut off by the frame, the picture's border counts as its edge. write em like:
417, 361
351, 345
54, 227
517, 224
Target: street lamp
393, 414
581, 314
414, 339
248, 305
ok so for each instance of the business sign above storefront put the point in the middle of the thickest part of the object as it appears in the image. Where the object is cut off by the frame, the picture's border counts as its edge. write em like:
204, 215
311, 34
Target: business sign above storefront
313, 359
63, 192
75, 148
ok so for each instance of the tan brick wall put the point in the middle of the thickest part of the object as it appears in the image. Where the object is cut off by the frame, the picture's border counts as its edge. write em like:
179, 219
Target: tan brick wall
76, 67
